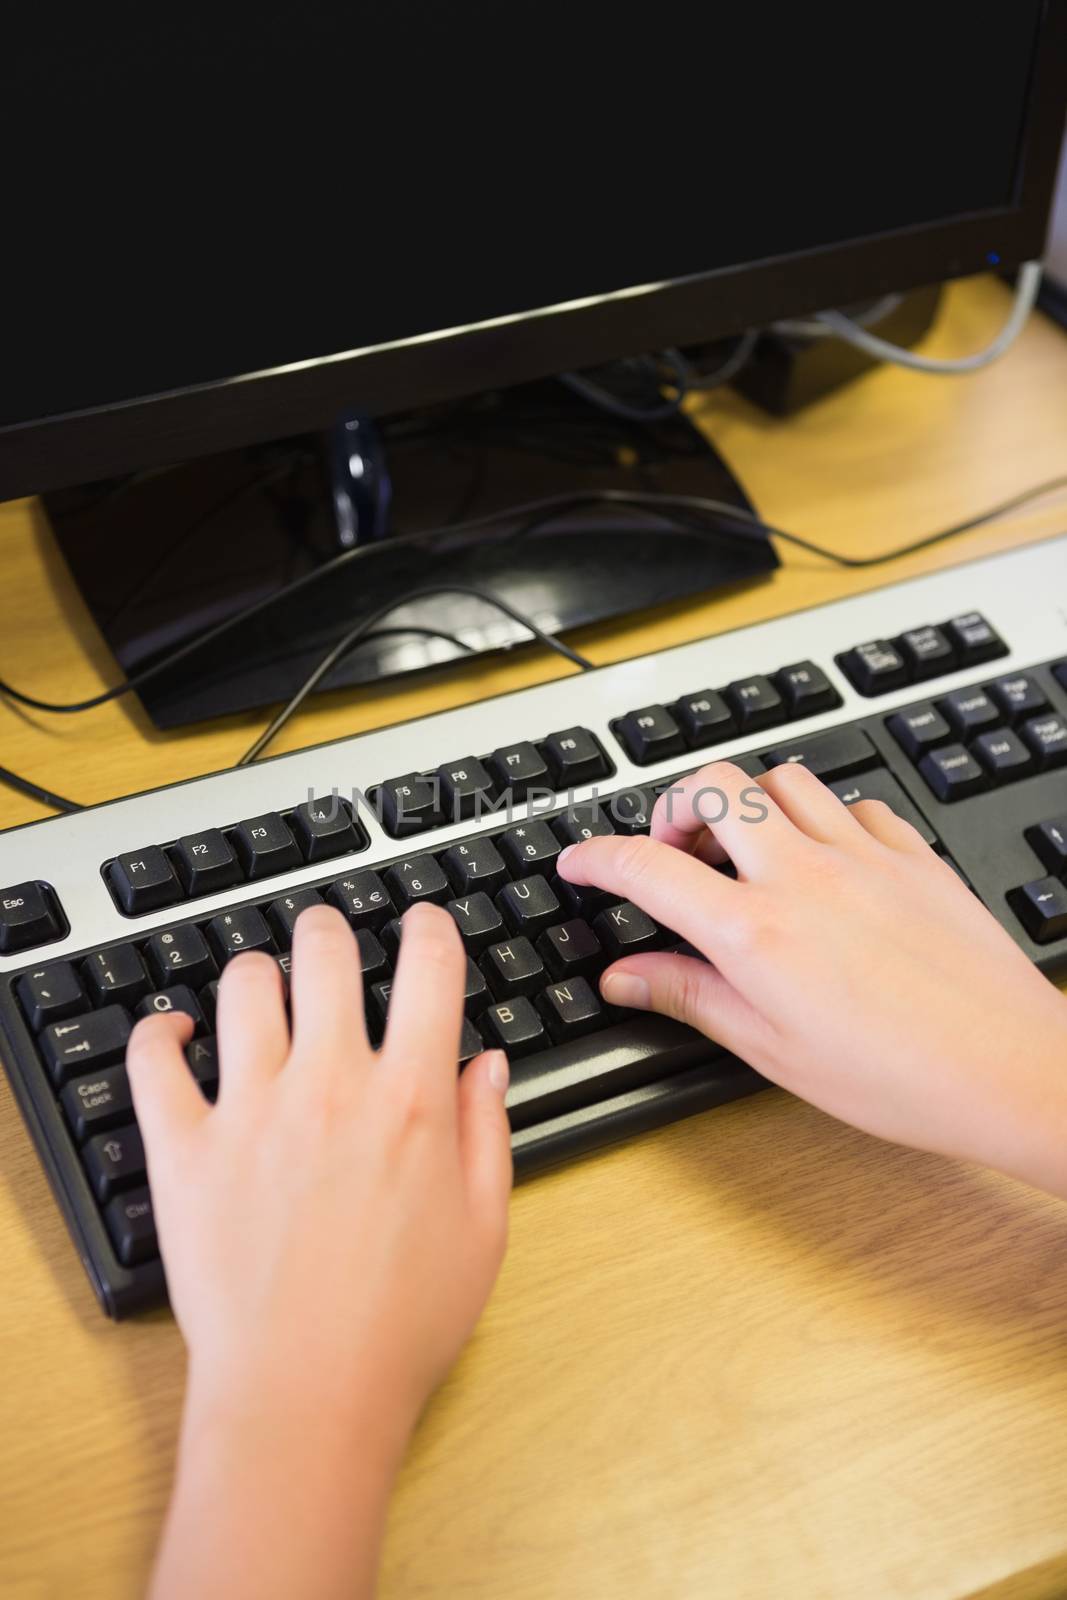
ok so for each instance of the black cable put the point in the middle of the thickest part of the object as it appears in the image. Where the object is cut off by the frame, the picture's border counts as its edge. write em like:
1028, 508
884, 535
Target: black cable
596, 394
359, 632
541, 511
35, 792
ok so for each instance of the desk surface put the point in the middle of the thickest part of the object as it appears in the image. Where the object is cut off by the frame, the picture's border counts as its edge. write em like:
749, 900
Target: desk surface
754, 1355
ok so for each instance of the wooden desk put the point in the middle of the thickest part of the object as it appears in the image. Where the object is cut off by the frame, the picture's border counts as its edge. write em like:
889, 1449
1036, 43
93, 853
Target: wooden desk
753, 1356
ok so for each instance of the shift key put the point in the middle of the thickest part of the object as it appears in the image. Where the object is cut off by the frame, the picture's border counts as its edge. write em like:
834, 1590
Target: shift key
82, 1044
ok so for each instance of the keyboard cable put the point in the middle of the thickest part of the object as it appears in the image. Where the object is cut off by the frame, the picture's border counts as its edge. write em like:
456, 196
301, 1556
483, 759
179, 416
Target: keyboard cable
679, 510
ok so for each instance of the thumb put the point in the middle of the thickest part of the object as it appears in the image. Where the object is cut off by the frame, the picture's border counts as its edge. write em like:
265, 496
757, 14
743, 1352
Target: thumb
690, 991
485, 1142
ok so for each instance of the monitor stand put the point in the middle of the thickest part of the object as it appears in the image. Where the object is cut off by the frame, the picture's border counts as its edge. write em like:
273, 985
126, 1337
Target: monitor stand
161, 556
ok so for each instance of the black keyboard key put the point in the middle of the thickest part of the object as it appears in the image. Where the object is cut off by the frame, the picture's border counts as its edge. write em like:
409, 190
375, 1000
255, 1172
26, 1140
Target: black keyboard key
378, 1006
470, 1042
518, 768
116, 976
29, 916
181, 955
144, 880
421, 878
881, 785
478, 865
203, 1058
206, 862
265, 846
974, 639
580, 899
514, 1026
571, 950
1049, 841
1019, 697
626, 930
580, 822
969, 712
390, 936
115, 1161
927, 652
650, 734
837, 754
51, 993
233, 932
284, 963
478, 920
953, 773
631, 810
531, 847
363, 898
570, 1009
476, 994
875, 667
165, 1002
1003, 755
529, 906
513, 967
1059, 672
282, 913
99, 1101
132, 1227
209, 1001
82, 1044
325, 828
1041, 907
806, 689
1047, 738
372, 958
466, 789
919, 729
574, 757
409, 804
755, 703
704, 718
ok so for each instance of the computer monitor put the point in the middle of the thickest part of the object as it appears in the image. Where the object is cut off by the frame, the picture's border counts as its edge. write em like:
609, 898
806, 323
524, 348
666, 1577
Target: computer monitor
227, 224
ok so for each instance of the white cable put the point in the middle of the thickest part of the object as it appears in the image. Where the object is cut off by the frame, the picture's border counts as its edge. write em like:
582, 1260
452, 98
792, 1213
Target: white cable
832, 324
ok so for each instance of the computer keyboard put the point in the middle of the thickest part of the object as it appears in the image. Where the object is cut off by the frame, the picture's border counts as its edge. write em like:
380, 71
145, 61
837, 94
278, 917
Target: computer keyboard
958, 723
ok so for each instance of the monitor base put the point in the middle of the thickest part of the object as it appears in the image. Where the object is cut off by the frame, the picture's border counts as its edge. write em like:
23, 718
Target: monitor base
164, 555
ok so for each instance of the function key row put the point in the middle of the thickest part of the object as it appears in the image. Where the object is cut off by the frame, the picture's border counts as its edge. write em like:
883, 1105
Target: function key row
220, 858
973, 739
471, 785
881, 665
709, 716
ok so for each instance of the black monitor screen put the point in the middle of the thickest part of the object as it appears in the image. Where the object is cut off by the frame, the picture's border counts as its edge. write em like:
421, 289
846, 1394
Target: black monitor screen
193, 192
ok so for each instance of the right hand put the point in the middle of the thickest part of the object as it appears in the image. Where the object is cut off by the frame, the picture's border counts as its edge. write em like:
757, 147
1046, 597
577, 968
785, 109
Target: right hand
848, 964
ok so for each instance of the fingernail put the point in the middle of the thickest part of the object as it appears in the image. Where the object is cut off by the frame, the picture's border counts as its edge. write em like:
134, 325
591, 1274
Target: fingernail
564, 853
626, 989
498, 1071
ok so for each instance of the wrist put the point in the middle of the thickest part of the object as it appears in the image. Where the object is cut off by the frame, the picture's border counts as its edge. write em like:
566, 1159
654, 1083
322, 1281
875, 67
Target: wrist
1029, 1135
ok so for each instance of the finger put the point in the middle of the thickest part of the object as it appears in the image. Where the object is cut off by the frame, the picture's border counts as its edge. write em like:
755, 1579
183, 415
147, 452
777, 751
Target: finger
745, 820
426, 1007
250, 1022
326, 990
166, 1098
672, 887
690, 991
485, 1140
809, 804
876, 818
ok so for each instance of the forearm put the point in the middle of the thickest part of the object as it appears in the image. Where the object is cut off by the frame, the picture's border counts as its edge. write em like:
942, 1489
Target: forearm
275, 1496
1025, 1124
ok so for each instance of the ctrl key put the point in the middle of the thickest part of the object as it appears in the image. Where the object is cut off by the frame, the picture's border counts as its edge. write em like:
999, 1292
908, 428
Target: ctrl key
132, 1226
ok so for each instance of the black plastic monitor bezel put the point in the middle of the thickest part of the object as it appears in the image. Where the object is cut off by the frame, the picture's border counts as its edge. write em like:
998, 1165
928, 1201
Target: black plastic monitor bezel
89, 445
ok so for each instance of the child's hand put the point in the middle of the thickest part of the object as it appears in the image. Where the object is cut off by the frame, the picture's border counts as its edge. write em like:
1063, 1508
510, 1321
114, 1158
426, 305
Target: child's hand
849, 964
331, 1230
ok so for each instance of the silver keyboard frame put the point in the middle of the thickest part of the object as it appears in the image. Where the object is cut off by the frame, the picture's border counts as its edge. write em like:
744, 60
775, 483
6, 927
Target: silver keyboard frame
1022, 592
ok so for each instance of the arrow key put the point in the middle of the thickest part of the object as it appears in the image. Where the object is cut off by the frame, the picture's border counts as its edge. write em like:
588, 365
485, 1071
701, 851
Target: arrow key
1041, 907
